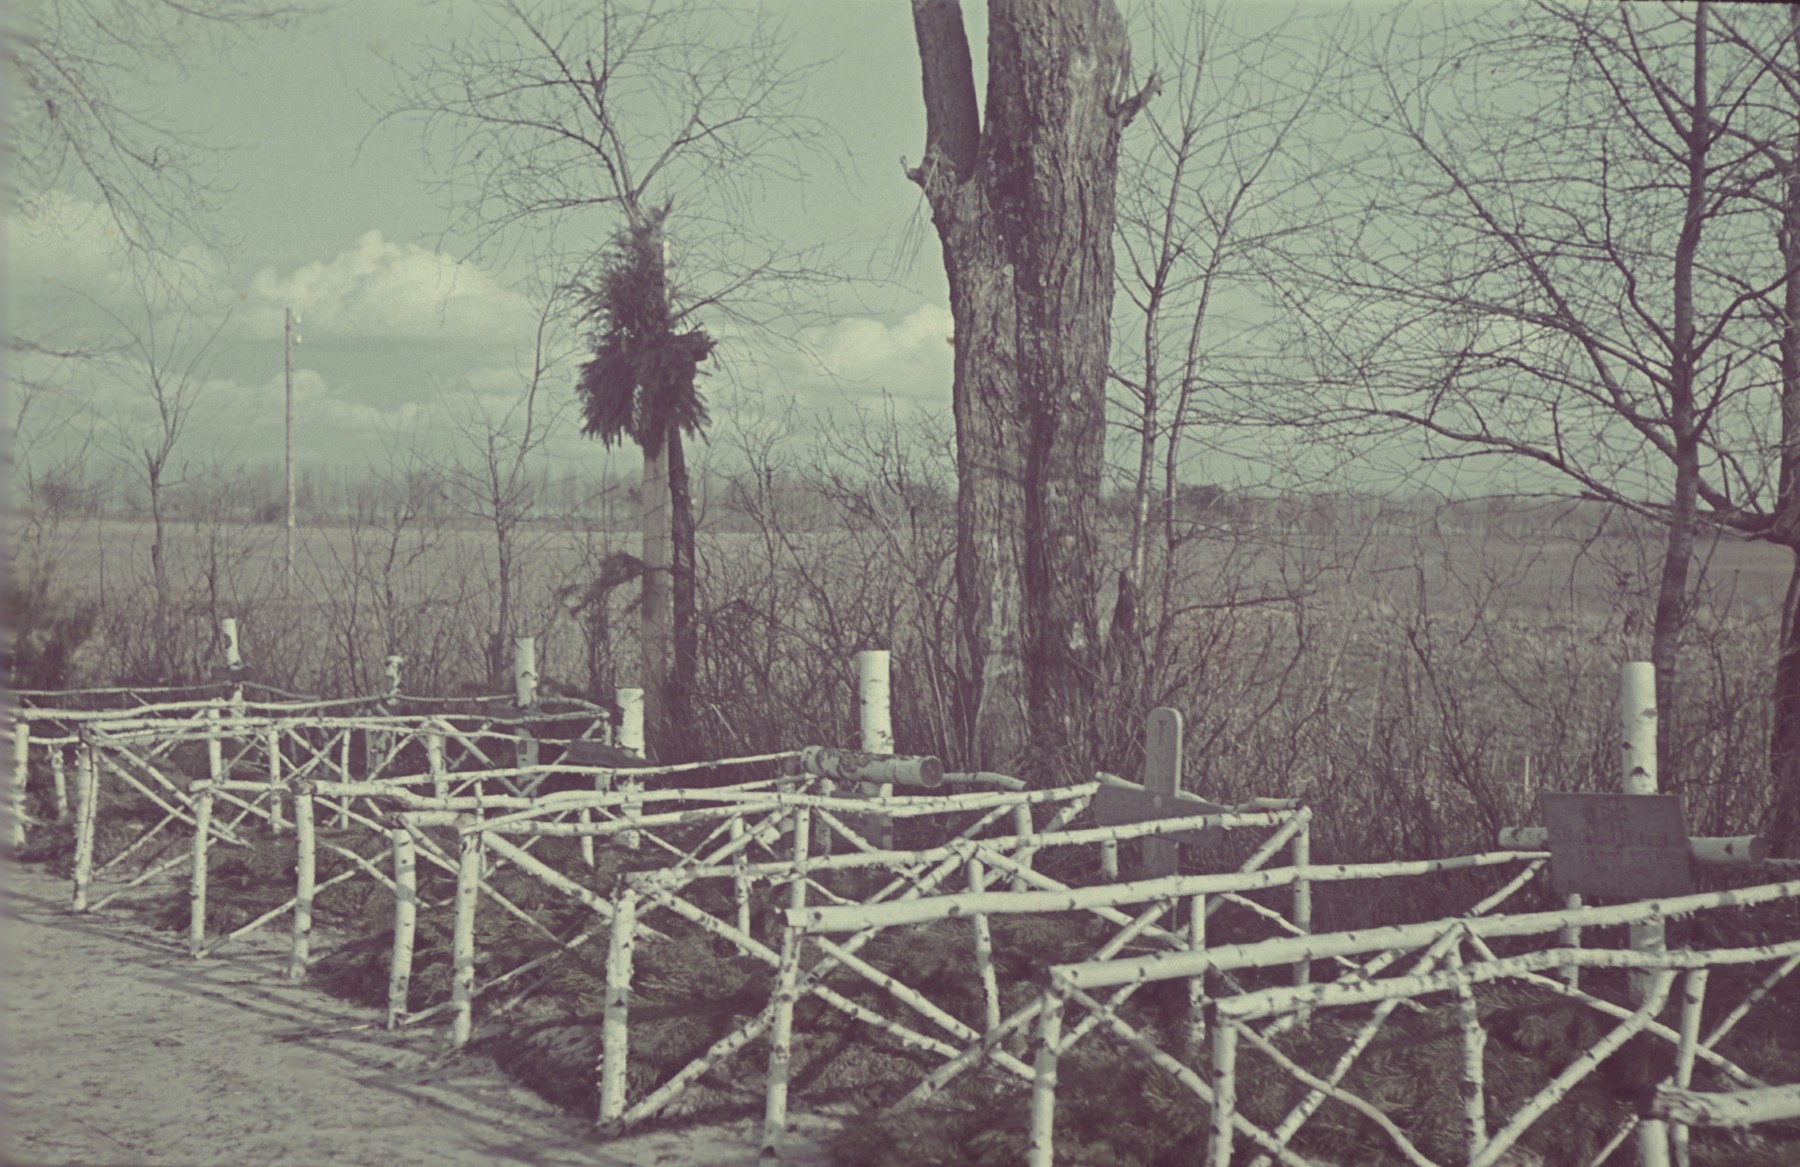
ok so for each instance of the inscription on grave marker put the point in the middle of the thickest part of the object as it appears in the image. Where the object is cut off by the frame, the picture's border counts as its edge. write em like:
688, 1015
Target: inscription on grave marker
1625, 846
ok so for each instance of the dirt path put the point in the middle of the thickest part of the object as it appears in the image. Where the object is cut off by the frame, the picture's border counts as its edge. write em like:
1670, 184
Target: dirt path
119, 1049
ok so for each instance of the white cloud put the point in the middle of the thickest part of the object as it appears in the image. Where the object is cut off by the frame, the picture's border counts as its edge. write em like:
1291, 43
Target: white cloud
911, 357
57, 244
383, 290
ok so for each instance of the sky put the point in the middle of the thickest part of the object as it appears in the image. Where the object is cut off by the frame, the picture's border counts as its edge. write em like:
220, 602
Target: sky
408, 328
415, 335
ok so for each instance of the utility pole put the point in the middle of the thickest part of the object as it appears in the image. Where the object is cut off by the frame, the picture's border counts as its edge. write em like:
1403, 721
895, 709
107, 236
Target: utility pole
288, 580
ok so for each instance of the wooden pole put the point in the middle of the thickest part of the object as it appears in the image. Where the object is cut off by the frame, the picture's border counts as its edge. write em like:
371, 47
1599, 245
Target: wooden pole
615, 1023
87, 813
1693, 1001
787, 993
1043, 1082
1637, 757
462, 938
1224, 1087
21, 766
203, 806
874, 685
288, 579
406, 919
1196, 1023
273, 745
631, 738
305, 881
525, 671
59, 783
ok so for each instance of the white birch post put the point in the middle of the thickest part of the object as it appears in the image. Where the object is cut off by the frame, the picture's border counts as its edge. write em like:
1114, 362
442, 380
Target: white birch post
1043, 1082
631, 737
1693, 1000
787, 992
781, 1036
59, 783
525, 674
1224, 1086
1302, 857
87, 813
234, 666
1474, 1042
342, 818
615, 1023
984, 951
1109, 860
462, 937
21, 768
525, 692
874, 688
406, 921
274, 748
1570, 937
203, 807
305, 883
215, 744
1023, 828
434, 762
1196, 1023
1637, 757
740, 881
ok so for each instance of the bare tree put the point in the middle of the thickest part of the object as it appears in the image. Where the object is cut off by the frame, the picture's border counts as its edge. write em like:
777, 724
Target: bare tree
1023, 206
574, 124
1213, 175
162, 370
500, 486
1552, 266
73, 128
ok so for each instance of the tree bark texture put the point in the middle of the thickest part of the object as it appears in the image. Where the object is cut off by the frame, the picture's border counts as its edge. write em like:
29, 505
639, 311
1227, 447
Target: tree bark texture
678, 743
1023, 206
1783, 829
1672, 597
655, 632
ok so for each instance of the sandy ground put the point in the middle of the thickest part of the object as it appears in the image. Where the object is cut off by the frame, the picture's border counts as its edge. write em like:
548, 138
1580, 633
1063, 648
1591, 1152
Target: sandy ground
119, 1049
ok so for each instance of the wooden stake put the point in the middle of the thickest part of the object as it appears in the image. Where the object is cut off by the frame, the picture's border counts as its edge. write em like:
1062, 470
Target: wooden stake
1043, 1083
203, 806
615, 1025
59, 782
87, 813
1224, 1089
305, 878
1693, 1001
1474, 1039
462, 938
406, 918
1196, 1020
21, 769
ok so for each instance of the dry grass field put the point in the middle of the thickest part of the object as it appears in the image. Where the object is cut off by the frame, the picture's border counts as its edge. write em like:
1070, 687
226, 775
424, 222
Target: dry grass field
1428, 671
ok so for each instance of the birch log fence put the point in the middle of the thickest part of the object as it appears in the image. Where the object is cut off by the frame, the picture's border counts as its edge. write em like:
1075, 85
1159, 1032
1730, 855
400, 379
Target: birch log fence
804, 863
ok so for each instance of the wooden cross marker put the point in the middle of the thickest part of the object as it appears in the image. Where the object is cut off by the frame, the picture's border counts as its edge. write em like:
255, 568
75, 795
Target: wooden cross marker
1160, 798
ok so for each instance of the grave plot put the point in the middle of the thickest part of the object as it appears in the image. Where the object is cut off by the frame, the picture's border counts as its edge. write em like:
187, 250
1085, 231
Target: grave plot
1452, 969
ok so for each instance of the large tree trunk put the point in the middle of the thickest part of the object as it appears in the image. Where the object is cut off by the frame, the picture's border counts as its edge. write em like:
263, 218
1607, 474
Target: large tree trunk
1684, 426
1024, 210
1783, 828
655, 632
678, 689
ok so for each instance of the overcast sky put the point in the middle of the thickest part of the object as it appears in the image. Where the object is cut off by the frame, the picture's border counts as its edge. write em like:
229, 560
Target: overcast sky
336, 216
407, 324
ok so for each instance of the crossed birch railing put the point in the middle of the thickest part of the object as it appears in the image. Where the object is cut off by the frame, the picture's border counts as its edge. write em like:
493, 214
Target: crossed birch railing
1446, 958
462, 793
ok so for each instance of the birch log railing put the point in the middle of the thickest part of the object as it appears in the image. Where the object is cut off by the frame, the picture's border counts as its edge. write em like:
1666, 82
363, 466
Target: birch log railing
1446, 958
